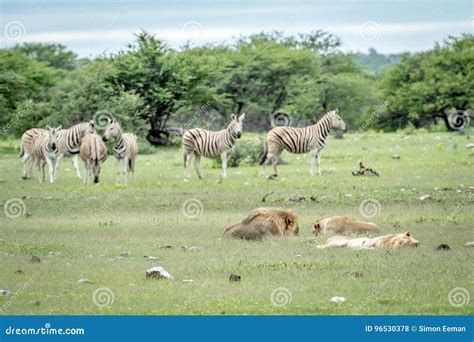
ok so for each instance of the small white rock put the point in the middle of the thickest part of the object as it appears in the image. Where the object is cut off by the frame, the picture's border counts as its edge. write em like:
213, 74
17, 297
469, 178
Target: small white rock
158, 272
424, 198
6, 293
469, 244
187, 280
85, 281
337, 299
151, 258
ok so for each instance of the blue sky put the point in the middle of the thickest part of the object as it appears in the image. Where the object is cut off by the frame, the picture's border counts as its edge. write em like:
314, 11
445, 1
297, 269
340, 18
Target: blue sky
92, 27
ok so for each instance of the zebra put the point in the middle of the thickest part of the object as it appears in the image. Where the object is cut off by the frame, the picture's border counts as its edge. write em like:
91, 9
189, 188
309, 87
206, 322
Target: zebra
46, 151
93, 152
69, 143
125, 148
300, 140
210, 144
27, 150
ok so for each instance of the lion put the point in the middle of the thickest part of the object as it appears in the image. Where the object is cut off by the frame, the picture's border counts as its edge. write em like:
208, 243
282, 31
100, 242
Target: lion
343, 225
265, 223
389, 240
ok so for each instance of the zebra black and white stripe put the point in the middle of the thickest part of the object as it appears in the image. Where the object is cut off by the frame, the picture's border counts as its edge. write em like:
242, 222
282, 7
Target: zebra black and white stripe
200, 142
125, 148
93, 152
46, 151
69, 143
310, 139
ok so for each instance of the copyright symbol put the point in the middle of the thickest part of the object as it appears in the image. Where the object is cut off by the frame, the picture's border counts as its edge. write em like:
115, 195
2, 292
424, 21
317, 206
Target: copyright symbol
413, 328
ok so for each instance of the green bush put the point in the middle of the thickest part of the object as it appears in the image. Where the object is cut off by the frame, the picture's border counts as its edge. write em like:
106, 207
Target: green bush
247, 151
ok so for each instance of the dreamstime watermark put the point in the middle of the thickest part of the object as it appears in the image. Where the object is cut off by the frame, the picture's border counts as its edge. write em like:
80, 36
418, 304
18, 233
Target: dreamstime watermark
17, 294
14, 31
192, 208
372, 295
370, 208
456, 210
20, 112
192, 30
14, 208
192, 298
458, 297
369, 30
458, 120
281, 119
103, 297
101, 118
373, 116
280, 297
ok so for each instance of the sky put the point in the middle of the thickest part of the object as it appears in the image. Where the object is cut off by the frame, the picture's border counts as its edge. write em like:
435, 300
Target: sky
90, 28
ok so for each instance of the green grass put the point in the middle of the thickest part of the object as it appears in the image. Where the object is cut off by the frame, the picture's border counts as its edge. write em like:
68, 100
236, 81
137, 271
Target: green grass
80, 232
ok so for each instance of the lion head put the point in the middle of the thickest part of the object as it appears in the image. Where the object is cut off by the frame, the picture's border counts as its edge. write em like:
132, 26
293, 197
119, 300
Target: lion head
397, 240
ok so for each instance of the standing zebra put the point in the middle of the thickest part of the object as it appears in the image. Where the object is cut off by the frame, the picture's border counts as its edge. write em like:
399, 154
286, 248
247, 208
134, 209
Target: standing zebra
69, 143
93, 152
209, 144
46, 151
125, 148
300, 140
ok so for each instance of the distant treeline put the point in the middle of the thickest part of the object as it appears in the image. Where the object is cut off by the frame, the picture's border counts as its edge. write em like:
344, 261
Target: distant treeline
152, 88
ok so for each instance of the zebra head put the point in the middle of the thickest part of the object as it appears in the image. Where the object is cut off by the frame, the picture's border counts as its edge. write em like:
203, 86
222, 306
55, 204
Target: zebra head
236, 125
336, 120
112, 130
53, 138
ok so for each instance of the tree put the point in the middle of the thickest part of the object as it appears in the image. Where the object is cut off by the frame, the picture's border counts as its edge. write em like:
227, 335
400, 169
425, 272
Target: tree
424, 86
53, 55
162, 78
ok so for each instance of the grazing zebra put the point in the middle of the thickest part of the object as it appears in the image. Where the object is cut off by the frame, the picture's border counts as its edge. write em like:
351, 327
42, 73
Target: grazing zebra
300, 140
125, 148
46, 151
69, 143
93, 152
209, 144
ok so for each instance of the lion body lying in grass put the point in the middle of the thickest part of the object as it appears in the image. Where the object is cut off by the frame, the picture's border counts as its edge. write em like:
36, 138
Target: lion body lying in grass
342, 225
265, 223
389, 240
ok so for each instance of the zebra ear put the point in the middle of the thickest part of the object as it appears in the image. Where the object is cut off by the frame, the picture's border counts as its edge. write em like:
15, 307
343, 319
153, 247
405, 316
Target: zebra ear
242, 117
59, 128
48, 127
233, 117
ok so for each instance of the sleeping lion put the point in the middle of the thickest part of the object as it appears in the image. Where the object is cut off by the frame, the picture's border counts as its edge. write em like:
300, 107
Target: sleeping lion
265, 223
390, 240
342, 225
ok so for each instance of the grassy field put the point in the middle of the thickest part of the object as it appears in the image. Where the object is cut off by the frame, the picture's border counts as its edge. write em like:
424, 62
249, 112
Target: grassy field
81, 232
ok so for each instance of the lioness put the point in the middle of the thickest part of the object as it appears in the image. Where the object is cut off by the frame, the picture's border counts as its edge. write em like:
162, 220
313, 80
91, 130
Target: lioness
390, 240
265, 223
342, 225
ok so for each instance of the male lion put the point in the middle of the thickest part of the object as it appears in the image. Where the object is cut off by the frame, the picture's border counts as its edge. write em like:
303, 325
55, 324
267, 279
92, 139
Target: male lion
389, 240
265, 223
342, 225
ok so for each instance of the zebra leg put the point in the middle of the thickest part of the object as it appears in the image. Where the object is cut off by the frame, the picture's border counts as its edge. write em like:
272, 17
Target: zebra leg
224, 164
75, 164
125, 169
119, 172
275, 158
132, 168
313, 156
86, 172
31, 163
319, 163
41, 165
197, 161
25, 161
50, 169
187, 160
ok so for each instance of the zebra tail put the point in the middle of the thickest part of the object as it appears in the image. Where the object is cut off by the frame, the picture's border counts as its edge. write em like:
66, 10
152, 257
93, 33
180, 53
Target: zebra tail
263, 158
130, 165
22, 151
